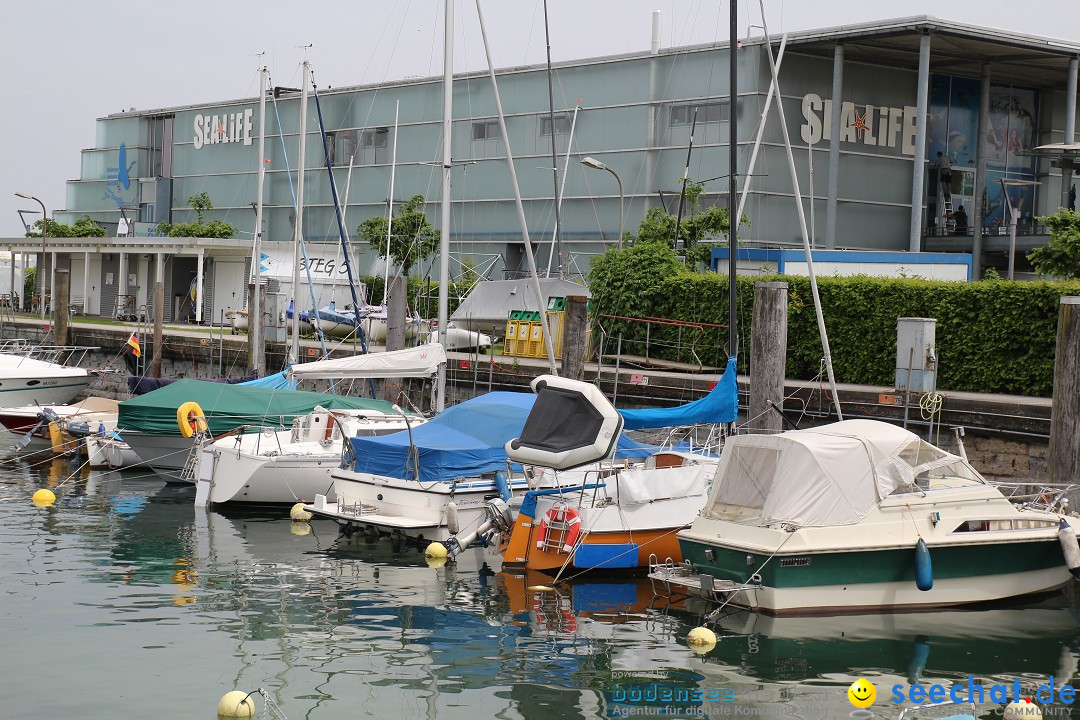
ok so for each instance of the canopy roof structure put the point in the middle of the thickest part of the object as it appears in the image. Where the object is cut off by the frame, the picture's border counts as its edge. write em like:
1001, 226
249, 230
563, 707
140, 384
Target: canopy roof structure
227, 407
463, 441
420, 361
830, 475
493, 300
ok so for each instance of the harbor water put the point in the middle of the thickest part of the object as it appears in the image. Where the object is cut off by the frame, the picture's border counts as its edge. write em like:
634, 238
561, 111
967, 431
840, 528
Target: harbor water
122, 600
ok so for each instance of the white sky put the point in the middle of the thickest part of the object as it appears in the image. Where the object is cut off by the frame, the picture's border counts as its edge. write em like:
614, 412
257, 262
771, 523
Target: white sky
69, 62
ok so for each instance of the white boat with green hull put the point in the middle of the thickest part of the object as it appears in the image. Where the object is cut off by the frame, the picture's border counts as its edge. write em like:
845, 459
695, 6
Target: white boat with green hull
861, 516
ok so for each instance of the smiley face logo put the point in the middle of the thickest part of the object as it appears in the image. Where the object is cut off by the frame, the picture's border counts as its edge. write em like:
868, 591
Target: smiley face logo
862, 693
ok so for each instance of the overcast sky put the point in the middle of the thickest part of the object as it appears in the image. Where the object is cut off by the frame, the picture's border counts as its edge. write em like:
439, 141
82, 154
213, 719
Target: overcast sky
68, 62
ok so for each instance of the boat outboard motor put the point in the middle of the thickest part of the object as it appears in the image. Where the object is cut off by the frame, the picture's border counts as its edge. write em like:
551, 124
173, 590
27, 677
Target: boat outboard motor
499, 520
79, 429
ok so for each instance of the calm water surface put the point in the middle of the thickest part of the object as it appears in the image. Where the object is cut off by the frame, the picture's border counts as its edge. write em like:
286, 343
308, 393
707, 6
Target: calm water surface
123, 600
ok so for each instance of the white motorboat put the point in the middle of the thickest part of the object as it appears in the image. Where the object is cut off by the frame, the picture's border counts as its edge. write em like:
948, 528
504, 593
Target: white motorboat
436, 480
35, 375
274, 466
58, 427
863, 516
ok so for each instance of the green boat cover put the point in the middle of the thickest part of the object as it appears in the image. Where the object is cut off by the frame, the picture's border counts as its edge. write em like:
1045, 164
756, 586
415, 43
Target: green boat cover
227, 407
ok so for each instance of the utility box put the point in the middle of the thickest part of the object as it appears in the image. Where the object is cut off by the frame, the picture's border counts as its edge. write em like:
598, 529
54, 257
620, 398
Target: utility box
916, 355
276, 328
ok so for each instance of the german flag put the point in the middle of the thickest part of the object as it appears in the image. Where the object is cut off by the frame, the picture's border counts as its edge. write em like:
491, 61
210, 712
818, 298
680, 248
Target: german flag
133, 341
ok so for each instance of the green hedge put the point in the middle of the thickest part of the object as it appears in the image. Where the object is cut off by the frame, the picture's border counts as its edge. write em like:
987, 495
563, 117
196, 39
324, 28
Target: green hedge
993, 336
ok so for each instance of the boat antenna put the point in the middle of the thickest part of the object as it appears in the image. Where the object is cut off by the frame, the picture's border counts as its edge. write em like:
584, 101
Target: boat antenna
554, 156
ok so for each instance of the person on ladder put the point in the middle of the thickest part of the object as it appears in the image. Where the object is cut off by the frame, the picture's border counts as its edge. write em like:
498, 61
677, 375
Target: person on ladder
944, 166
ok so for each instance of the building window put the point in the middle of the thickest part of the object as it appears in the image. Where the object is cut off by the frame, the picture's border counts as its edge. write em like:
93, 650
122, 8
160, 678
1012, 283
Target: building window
561, 123
487, 130
713, 112
373, 138
361, 147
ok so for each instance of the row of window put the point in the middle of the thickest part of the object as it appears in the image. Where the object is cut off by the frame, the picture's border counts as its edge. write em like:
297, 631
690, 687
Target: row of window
369, 146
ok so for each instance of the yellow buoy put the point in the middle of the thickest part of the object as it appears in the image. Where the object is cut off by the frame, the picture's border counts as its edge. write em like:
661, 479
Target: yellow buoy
701, 640
236, 704
435, 562
44, 497
435, 550
1023, 710
541, 588
300, 528
298, 513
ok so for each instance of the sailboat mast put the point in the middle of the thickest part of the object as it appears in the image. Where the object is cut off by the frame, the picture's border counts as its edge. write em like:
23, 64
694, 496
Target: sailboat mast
390, 206
554, 157
255, 326
444, 206
733, 169
298, 235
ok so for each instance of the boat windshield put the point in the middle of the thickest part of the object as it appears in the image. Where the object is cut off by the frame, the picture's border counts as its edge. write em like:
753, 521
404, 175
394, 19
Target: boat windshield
935, 469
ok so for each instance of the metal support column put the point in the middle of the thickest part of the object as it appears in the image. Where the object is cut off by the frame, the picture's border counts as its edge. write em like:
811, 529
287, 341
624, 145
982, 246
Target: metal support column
199, 287
1070, 129
834, 147
982, 149
918, 163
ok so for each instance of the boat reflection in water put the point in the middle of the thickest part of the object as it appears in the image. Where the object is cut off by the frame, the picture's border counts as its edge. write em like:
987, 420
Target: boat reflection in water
354, 627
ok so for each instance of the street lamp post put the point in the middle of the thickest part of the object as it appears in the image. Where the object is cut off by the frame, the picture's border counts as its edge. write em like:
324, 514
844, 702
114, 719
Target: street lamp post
591, 162
40, 280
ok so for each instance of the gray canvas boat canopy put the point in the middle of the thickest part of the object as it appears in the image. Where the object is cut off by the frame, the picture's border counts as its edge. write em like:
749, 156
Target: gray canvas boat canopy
420, 361
492, 300
830, 475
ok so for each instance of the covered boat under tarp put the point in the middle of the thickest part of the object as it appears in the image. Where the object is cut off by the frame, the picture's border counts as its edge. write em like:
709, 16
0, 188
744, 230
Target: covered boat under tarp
227, 407
462, 441
721, 405
421, 361
278, 381
487, 307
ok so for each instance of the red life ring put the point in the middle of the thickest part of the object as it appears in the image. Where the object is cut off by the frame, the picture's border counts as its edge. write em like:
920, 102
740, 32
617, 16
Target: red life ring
566, 622
560, 514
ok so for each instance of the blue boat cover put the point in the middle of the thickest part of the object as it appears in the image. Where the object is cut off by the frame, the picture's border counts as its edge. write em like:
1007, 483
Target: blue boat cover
721, 405
465, 440
277, 381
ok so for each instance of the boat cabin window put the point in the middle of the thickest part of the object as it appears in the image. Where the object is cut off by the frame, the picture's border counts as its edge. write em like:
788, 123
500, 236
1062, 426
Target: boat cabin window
990, 525
747, 481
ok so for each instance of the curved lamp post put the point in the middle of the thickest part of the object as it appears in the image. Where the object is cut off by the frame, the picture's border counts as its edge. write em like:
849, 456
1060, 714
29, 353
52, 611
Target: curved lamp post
591, 162
40, 280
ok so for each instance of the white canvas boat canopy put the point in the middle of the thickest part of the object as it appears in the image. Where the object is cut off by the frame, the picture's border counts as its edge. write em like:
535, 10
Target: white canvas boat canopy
420, 361
830, 475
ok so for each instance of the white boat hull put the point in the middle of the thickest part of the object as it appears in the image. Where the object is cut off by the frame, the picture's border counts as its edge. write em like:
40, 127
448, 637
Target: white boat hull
110, 453
242, 477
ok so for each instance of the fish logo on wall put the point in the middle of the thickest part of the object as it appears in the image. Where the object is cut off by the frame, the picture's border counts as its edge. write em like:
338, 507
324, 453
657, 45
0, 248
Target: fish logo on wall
118, 180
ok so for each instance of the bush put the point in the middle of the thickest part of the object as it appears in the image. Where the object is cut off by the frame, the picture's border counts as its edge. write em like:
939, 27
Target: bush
992, 336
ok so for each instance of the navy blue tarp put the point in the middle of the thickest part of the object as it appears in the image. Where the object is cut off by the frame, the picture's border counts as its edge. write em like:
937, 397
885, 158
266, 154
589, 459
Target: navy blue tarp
721, 405
462, 441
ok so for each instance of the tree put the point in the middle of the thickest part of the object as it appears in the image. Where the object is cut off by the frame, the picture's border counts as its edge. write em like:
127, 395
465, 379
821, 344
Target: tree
83, 227
412, 236
696, 227
201, 204
1061, 256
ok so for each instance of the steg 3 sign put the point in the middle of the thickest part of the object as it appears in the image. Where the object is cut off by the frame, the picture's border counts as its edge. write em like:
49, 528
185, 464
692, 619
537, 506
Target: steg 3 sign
228, 128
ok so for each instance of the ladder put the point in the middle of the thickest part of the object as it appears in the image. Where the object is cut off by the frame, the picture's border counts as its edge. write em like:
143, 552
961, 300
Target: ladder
191, 465
948, 224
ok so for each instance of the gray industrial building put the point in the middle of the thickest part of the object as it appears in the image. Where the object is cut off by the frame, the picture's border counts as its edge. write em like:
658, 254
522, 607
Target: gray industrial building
866, 165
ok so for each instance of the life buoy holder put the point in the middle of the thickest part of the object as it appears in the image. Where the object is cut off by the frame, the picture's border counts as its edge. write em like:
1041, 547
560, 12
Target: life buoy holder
190, 418
565, 515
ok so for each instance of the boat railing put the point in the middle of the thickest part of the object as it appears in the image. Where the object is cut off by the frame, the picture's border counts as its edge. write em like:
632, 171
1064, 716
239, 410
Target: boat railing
1047, 497
68, 355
